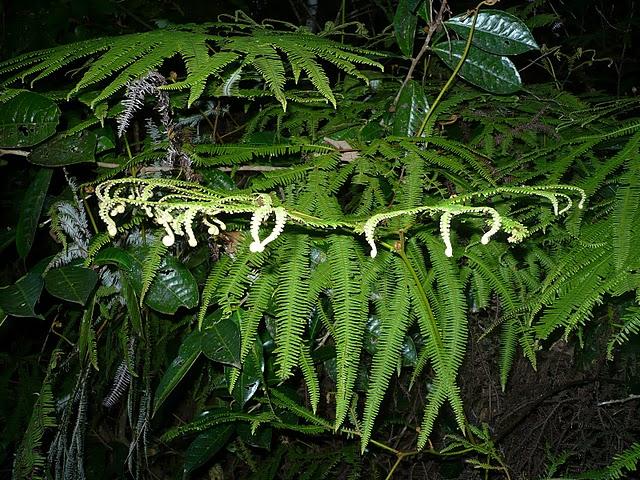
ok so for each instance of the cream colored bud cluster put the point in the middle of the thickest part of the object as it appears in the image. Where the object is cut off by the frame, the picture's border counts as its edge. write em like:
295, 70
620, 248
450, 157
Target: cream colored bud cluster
179, 206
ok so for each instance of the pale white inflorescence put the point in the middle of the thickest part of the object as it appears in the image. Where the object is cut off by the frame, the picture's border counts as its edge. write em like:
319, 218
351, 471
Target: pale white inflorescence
180, 204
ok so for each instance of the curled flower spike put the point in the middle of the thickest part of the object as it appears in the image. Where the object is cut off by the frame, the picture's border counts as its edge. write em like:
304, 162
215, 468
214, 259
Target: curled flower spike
569, 203
188, 228
257, 218
164, 218
214, 225
280, 220
495, 226
445, 232
368, 230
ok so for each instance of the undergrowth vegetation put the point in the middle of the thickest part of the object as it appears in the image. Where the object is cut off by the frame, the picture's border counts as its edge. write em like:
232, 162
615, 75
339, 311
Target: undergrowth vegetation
248, 241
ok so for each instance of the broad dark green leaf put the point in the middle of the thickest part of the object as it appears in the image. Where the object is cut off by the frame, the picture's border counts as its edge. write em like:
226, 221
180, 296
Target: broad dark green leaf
71, 283
493, 73
187, 355
404, 25
260, 439
221, 338
27, 119
66, 150
20, 298
173, 287
133, 308
251, 375
115, 256
496, 32
421, 8
206, 445
30, 211
411, 109
7, 237
218, 180
409, 352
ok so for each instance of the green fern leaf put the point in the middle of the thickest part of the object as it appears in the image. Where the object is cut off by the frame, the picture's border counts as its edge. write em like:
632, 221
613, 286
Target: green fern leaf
310, 376
395, 323
293, 308
350, 311
216, 274
151, 263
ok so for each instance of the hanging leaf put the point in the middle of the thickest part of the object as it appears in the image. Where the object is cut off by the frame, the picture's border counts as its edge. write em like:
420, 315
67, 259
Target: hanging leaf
71, 283
187, 355
221, 338
404, 25
496, 32
133, 308
493, 73
20, 298
411, 108
251, 375
66, 150
30, 211
206, 445
173, 287
27, 119
421, 8
115, 256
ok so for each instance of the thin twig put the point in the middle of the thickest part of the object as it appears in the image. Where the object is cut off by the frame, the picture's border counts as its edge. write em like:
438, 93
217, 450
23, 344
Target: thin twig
20, 153
620, 400
433, 27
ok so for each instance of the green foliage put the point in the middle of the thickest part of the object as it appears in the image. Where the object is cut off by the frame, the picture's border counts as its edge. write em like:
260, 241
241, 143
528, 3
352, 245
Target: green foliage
246, 276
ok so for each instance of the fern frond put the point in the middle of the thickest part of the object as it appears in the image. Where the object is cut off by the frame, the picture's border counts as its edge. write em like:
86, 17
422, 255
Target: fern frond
350, 311
623, 464
626, 230
310, 376
216, 274
151, 263
258, 300
240, 274
205, 54
629, 325
435, 399
395, 323
293, 308
29, 460
283, 400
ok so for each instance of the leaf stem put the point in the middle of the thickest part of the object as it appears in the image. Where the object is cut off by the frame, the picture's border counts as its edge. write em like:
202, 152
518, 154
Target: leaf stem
456, 70
433, 27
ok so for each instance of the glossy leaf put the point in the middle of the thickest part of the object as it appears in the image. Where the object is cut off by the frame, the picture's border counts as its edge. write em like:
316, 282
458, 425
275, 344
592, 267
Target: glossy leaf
421, 8
218, 180
404, 25
493, 73
115, 256
206, 445
133, 308
410, 111
30, 211
496, 32
71, 283
27, 119
187, 355
66, 150
261, 438
173, 287
20, 298
251, 375
221, 338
